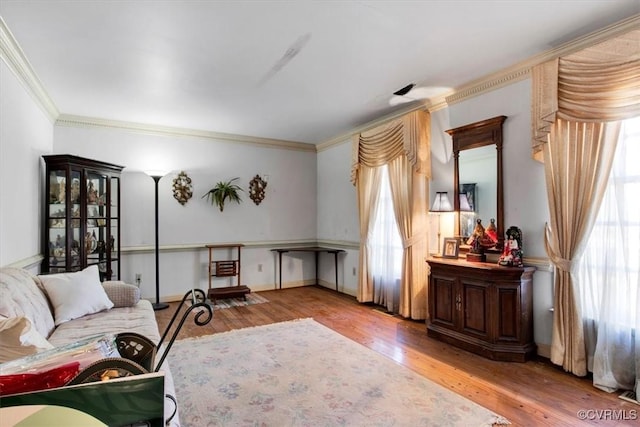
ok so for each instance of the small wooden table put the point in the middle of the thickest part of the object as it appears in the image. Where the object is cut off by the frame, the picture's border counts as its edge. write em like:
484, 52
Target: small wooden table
314, 249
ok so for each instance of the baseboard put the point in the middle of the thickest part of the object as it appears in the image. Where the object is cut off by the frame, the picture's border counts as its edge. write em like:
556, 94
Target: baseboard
544, 350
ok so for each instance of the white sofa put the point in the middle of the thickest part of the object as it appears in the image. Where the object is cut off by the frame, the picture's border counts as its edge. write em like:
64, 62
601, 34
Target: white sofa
24, 294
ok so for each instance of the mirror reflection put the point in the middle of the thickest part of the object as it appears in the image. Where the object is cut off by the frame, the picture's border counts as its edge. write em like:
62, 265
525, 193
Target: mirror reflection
478, 184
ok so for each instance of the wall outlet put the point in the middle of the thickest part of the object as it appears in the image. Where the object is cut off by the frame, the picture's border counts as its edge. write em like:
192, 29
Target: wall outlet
259, 268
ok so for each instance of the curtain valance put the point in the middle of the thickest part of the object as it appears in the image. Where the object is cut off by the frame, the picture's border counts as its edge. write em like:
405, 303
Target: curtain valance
407, 135
597, 84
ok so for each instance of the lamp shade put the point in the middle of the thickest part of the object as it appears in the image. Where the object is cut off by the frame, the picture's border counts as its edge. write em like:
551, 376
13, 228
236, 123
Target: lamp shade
465, 206
441, 203
156, 173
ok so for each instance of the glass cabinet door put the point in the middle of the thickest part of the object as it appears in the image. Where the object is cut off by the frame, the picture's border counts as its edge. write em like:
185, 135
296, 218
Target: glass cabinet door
96, 230
56, 230
113, 246
75, 261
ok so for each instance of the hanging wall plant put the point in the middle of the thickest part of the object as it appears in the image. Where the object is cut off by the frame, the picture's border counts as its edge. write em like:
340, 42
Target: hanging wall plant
223, 191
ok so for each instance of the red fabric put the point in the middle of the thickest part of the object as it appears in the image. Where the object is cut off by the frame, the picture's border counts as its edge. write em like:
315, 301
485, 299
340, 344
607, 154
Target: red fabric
21, 383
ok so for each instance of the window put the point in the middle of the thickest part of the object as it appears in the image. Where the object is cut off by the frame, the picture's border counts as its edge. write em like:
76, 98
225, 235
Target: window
386, 249
609, 270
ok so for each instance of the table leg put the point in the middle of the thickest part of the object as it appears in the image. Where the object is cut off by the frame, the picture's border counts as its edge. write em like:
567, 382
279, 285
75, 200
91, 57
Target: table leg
280, 267
335, 254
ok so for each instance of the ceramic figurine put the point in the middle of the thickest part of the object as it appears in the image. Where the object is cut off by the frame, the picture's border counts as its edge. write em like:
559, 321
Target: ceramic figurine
512, 253
492, 232
477, 235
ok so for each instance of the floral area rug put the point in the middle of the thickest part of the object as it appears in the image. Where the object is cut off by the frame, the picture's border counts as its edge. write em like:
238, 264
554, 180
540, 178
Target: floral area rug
252, 298
301, 373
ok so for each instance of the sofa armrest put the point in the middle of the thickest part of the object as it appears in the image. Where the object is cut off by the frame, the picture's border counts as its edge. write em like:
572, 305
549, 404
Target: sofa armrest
122, 294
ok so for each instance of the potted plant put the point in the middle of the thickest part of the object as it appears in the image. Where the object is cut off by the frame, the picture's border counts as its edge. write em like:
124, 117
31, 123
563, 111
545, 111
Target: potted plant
223, 191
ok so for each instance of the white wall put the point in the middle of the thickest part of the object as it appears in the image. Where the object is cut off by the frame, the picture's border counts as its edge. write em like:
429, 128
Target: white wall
338, 213
25, 135
287, 213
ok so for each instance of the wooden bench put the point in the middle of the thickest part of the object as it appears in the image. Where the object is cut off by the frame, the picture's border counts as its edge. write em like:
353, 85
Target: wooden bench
228, 292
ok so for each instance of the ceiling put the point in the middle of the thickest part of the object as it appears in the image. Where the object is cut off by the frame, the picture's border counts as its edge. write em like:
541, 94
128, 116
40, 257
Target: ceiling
305, 71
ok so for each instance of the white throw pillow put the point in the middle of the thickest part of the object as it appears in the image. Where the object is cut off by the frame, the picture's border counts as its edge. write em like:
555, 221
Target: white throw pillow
76, 294
18, 339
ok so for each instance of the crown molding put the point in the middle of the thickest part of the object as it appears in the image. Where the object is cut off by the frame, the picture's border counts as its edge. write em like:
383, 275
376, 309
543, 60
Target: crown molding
522, 70
70, 120
18, 63
488, 84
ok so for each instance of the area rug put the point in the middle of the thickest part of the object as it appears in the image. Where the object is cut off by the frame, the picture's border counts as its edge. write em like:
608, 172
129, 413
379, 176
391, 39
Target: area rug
301, 373
252, 298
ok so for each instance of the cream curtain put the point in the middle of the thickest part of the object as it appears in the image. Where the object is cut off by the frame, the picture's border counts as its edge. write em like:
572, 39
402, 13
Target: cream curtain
577, 102
367, 190
578, 161
410, 209
403, 145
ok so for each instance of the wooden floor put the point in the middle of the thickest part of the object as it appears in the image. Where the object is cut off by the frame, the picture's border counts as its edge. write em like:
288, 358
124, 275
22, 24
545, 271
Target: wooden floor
535, 393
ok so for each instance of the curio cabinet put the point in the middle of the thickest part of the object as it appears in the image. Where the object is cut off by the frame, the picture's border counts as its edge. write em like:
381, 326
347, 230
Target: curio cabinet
81, 216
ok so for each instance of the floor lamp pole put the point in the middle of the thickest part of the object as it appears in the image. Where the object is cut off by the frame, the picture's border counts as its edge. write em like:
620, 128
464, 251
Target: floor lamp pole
158, 305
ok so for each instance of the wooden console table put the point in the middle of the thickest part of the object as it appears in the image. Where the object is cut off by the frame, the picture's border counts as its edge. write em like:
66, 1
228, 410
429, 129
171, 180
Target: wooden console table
316, 250
226, 268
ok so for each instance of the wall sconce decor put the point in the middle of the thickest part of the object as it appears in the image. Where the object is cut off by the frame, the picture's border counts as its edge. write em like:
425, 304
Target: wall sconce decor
256, 189
182, 188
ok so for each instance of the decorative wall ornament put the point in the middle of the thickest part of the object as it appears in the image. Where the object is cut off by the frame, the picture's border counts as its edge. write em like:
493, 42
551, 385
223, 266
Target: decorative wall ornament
182, 188
256, 189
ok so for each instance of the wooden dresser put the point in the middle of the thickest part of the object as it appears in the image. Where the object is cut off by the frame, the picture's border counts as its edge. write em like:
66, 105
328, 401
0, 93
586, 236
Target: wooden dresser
482, 307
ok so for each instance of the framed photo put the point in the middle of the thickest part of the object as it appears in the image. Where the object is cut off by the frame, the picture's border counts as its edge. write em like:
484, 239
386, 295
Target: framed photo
450, 248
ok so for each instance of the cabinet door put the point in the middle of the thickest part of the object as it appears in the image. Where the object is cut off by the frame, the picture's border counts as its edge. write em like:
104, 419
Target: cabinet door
98, 236
56, 231
476, 309
75, 221
113, 245
63, 220
509, 313
444, 302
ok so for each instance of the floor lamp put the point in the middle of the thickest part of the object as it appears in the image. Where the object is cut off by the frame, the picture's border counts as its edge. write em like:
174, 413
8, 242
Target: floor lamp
440, 204
156, 175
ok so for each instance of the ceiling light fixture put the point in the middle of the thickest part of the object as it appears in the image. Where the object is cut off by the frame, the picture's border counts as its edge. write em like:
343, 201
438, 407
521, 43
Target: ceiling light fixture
405, 90
409, 93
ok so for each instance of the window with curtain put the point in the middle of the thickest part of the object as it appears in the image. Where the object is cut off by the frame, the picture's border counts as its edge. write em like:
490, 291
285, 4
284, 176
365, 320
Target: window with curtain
386, 250
608, 277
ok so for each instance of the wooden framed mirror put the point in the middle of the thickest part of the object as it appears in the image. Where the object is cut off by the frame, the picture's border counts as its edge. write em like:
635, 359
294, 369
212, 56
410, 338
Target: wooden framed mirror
477, 177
